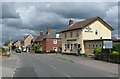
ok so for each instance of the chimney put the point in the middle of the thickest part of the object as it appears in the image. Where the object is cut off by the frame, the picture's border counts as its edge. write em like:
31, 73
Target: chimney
48, 30
70, 22
41, 33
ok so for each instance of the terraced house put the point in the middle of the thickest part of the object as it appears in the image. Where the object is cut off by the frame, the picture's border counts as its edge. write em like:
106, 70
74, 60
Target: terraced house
49, 42
82, 37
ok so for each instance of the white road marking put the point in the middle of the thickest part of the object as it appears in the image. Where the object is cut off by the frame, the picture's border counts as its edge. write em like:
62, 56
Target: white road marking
13, 74
67, 75
16, 66
52, 66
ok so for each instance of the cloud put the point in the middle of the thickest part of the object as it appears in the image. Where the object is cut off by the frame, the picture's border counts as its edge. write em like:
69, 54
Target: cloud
31, 17
112, 19
16, 34
8, 10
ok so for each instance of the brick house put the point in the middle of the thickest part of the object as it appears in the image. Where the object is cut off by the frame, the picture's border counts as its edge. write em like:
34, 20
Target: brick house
39, 40
49, 42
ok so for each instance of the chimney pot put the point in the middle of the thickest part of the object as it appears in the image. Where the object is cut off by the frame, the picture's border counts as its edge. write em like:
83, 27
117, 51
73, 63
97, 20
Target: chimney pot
70, 22
41, 33
48, 30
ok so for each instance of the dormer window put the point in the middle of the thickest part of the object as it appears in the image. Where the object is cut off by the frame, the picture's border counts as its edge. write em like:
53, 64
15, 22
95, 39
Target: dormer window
96, 32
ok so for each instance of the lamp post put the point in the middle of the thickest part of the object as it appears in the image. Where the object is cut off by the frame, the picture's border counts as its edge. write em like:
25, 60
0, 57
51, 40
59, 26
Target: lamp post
102, 43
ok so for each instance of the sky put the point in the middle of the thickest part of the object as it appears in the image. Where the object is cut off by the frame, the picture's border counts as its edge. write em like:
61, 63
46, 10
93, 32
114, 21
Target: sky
21, 18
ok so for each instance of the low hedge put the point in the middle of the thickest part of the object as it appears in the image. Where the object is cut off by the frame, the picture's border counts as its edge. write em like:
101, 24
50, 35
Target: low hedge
3, 52
97, 50
115, 53
39, 52
44, 52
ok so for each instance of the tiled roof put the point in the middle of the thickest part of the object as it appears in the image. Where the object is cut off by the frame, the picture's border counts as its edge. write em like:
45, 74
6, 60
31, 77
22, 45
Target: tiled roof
39, 38
25, 36
82, 24
50, 35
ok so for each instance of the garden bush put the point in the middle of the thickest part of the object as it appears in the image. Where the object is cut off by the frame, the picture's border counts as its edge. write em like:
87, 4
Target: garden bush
115, 53
116, 47
36, 47
39, 52
97, 50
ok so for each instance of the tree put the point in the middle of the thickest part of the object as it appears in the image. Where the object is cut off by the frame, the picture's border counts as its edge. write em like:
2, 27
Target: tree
36, 47
116, 47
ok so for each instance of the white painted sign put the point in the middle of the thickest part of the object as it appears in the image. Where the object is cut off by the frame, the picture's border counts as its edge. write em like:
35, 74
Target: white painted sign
107, 44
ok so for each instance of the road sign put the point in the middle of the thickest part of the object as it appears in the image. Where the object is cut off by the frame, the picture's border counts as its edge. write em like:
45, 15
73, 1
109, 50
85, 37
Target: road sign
107, 44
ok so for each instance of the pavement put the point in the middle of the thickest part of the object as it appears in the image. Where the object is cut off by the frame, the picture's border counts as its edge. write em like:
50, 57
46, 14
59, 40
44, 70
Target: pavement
51, 65
102, 65
8, 66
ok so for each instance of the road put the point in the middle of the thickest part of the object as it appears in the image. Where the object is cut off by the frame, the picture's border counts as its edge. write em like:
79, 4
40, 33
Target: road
36, 65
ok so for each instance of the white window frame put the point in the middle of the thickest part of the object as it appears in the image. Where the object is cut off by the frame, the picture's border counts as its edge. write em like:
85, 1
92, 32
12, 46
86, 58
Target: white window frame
55, 41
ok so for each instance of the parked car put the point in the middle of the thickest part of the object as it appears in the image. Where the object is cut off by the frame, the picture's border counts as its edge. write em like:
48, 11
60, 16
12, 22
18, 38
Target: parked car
18, 51
24, 50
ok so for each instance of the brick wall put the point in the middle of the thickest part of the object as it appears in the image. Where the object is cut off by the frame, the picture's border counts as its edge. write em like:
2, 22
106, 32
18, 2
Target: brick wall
48, 44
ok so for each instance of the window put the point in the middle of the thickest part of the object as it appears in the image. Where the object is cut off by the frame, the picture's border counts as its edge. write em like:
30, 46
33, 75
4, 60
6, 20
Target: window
78, 45
77, 33
65, 47
96, 45
54, 41
68, 45
65, 35
71, 47
71, 34
93, 45
96, 32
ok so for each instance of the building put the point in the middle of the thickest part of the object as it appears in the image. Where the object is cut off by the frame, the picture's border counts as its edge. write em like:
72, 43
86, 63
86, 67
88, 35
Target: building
82, 37
51, 41
17, 43
27, 41
115, 40
39, 40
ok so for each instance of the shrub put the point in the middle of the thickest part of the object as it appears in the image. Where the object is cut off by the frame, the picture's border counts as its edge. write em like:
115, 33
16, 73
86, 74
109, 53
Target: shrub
39, 52
115, 53
116, 47
97, 50
36, 47
2, 50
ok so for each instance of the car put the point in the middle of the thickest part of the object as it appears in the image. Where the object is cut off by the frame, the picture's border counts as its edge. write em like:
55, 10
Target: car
18, 51
24, 50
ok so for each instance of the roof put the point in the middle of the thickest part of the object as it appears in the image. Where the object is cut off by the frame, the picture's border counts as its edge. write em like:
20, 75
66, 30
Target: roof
39, 38
50, 35
15, 41
113, 39
81, 24
25, 36
35, 37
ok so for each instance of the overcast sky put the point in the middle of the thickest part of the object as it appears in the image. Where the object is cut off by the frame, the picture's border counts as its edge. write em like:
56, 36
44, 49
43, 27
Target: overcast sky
23, 18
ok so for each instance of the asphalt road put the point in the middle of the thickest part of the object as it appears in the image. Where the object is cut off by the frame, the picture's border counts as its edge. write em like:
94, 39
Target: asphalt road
35, 65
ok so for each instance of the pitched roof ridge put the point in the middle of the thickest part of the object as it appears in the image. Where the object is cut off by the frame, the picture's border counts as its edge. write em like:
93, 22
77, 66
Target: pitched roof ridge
82, 23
